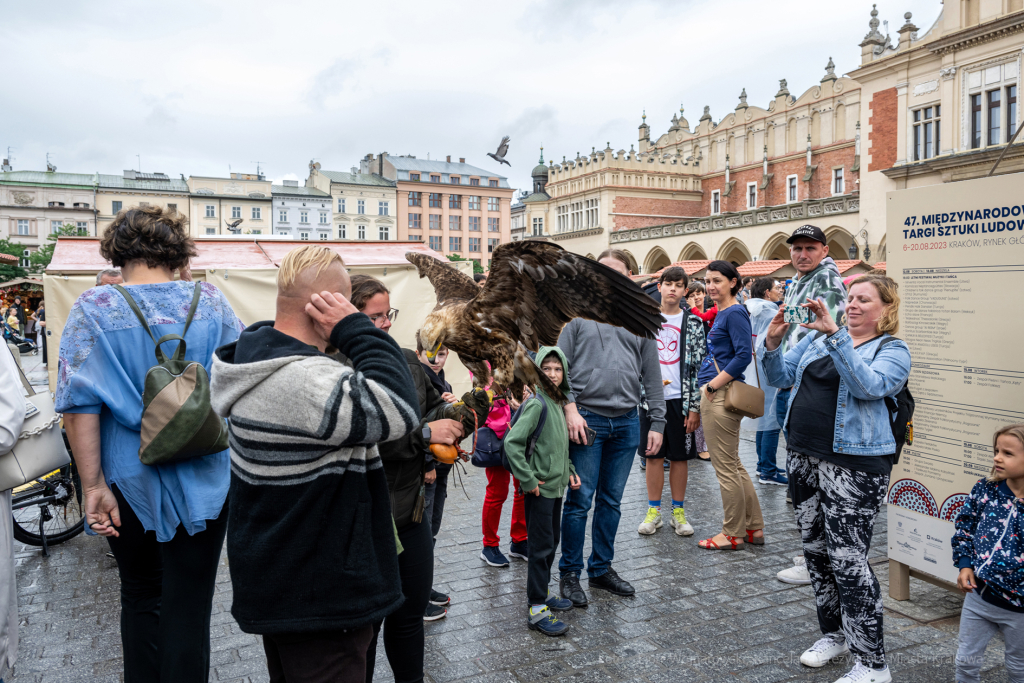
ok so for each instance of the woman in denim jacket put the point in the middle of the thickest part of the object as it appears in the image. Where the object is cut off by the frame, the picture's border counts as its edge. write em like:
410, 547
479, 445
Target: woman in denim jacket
840, 453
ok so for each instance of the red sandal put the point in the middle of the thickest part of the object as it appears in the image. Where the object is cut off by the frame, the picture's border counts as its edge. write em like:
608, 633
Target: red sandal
709, 543
755, 540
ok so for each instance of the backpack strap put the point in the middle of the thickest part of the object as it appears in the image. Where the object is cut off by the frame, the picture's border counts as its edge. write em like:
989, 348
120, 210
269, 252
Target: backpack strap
179, 353
890, 401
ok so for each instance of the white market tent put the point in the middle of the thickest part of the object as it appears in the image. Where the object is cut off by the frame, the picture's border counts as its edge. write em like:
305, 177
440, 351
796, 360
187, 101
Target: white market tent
246, 271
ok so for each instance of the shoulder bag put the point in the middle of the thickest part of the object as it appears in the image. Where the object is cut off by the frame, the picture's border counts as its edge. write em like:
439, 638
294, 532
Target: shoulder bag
741, 398
40, 448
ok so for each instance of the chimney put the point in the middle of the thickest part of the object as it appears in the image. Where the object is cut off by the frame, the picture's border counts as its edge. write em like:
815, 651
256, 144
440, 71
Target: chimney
448, 158
355, 170
462, 160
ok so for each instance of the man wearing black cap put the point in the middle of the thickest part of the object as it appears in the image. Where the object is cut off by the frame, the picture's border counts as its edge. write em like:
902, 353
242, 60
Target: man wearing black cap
817, 278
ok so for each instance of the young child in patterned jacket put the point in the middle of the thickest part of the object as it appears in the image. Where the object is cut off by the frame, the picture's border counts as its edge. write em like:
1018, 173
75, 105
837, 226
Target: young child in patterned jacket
988, 547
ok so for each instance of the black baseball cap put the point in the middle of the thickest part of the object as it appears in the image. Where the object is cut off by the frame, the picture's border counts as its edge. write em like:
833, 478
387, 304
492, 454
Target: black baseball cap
809, 231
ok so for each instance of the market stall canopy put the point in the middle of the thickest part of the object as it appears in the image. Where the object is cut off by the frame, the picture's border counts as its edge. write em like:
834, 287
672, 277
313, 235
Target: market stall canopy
21, 281
8, 258
82, 254
245, 270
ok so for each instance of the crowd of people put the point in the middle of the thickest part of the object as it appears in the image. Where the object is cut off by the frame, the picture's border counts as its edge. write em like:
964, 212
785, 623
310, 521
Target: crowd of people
354, 451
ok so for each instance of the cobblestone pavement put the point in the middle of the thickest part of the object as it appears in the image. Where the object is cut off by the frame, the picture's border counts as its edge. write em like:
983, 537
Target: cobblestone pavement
697, 616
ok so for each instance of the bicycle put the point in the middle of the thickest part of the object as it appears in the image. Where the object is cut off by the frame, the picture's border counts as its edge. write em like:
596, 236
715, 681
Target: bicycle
50, 509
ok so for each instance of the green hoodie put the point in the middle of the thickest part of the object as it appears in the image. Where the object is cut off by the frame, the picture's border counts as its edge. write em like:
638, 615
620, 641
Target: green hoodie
550, 459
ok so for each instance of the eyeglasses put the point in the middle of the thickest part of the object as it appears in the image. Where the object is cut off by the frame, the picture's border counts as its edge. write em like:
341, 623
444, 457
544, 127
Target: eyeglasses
378, 319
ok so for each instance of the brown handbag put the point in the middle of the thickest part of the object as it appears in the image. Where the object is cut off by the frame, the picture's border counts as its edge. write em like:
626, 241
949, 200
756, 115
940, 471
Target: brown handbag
741, 398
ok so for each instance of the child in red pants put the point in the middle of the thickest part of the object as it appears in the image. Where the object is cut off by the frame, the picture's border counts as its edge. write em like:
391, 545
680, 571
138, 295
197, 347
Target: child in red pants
498, 479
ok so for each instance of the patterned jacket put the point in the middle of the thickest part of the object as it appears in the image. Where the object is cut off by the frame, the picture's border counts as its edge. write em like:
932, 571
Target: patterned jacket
691, 358
824, 282
989, 538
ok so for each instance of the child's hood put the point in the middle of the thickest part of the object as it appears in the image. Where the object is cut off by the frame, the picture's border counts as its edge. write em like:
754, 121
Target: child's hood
546, 351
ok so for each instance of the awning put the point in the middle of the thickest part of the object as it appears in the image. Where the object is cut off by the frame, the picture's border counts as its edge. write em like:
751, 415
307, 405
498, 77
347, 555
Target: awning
21, 281
82, 254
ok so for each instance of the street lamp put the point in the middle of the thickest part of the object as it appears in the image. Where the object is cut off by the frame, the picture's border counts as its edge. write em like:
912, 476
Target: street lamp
852, 251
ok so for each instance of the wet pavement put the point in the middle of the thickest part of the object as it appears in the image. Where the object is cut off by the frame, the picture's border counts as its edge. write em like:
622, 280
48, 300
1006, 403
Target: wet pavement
697, 615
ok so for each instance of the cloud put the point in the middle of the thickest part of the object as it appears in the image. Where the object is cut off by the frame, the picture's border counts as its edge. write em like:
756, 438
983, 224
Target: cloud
344, 75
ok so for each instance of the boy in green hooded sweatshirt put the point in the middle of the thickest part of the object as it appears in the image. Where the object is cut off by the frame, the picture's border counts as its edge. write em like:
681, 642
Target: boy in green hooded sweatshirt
543, 479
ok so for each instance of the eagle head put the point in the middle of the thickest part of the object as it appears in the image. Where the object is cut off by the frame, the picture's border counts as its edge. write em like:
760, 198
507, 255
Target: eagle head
433, 335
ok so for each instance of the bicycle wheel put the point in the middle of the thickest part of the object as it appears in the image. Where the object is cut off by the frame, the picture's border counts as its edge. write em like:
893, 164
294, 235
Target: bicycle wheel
56, 498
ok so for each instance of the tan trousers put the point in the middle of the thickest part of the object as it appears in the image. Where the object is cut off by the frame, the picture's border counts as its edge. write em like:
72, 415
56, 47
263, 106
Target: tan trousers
722, 433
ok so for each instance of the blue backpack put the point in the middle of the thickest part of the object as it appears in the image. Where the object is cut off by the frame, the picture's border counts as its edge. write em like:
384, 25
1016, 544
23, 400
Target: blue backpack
490, 450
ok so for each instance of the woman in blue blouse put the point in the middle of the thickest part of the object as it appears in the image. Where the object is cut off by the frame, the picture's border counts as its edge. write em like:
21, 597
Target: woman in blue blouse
165, 524
729, 353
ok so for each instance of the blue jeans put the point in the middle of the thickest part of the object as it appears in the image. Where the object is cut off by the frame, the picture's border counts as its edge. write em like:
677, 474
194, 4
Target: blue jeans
603, 470
767, 443
781, 405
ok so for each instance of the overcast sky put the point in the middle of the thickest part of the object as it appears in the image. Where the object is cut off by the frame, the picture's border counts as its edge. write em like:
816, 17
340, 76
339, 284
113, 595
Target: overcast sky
196, 87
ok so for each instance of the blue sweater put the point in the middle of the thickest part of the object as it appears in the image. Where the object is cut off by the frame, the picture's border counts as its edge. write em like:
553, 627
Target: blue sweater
729, 343
989, 538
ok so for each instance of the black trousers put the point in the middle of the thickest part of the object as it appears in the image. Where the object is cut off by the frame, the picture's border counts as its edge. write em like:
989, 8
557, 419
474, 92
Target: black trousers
166, 598
835, 509
543, 522
434, 496
320, 657
403, 629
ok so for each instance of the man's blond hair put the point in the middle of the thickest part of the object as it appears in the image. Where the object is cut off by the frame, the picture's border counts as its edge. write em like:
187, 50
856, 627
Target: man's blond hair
297, 261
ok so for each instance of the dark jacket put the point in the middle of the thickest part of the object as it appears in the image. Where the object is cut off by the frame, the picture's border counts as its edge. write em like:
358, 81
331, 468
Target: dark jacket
406, 459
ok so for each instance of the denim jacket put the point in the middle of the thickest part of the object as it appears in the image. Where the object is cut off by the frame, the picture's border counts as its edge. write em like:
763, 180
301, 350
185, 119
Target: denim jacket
862, 424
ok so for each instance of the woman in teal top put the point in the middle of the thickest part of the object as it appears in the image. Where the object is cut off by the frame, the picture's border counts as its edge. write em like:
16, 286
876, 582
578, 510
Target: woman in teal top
165, 524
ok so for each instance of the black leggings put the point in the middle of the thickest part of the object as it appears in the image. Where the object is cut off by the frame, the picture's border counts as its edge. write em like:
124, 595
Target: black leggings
166, 598
403, 629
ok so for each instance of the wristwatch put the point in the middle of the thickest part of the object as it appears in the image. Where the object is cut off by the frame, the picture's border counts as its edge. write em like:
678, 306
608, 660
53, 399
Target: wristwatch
426, 432
710, 389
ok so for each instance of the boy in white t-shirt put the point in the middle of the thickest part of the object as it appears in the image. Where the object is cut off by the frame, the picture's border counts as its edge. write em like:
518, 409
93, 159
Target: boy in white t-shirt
680, 350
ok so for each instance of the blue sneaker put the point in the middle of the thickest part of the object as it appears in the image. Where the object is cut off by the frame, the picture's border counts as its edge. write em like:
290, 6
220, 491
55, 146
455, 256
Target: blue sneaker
492, 556
777, 479
557, 604
519, 550
544, 621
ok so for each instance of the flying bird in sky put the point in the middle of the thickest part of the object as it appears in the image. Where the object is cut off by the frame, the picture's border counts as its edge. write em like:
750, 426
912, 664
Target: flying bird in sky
533, 289
502, 151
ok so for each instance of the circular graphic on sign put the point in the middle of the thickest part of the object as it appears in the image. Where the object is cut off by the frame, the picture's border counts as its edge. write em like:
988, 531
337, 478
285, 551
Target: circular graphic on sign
951, 508
911, 494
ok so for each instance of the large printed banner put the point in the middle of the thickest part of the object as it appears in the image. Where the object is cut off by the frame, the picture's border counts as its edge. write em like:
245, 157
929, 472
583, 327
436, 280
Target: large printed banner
957, 252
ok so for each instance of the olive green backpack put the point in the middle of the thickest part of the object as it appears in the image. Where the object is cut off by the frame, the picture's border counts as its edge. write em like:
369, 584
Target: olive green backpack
178, 422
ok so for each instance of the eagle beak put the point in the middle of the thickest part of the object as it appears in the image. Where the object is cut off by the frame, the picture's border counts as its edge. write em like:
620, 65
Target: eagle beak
431, 355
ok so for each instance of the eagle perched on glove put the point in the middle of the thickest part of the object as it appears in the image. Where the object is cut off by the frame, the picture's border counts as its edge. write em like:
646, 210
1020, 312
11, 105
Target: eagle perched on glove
533, 289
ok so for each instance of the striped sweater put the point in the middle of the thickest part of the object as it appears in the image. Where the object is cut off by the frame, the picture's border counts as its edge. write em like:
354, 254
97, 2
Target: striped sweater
311, 545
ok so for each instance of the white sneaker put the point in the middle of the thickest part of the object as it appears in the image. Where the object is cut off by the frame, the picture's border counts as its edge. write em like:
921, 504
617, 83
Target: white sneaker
797, 574
825, 650
863, 674
652, 522
679, 523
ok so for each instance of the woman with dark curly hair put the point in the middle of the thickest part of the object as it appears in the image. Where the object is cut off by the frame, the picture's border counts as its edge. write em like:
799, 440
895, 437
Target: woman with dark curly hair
165, 523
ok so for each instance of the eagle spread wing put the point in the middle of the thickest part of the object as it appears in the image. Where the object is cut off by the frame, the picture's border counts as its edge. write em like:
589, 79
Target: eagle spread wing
503, 147
534, 288
450, 284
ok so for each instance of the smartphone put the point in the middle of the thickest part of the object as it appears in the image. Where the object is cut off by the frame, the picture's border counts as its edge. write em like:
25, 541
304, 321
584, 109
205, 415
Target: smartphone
796, 314
591, 436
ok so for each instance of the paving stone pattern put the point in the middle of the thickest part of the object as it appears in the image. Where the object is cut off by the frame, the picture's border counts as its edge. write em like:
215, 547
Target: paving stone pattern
698, 615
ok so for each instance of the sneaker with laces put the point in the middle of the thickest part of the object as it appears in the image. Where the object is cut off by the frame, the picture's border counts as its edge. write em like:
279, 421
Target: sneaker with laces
557, 604
569, 586
679, 523
865, 674
434, 612
492, 556
544, 621
797, 574
520, 550
825, 650
439, 598
652, 522
777, 479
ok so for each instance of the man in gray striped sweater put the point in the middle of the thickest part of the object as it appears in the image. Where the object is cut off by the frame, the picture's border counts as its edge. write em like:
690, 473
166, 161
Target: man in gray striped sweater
311, 543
